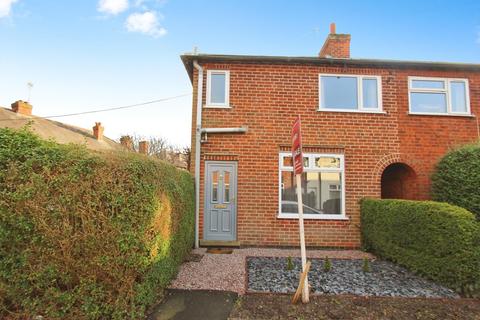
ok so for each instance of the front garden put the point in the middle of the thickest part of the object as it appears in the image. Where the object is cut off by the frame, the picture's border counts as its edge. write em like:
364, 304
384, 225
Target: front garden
434, 246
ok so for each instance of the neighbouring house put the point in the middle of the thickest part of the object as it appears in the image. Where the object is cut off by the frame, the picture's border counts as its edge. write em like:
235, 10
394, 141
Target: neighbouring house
371, 128
20, 115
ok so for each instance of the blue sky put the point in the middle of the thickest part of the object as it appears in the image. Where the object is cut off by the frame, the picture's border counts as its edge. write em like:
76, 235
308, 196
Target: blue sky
83, 55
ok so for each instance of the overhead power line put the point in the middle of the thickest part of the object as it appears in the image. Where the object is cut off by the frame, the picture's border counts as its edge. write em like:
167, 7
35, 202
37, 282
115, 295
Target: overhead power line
107, 109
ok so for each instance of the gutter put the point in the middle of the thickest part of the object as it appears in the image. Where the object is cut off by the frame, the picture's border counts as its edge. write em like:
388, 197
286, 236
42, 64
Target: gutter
357, 62
198, 136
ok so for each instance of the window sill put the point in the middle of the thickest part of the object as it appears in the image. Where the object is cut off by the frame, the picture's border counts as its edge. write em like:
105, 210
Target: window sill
352, 111
313, 216
217, 107
441, 114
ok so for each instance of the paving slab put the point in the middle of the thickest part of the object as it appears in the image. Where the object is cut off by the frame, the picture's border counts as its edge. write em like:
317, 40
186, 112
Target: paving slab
195, 304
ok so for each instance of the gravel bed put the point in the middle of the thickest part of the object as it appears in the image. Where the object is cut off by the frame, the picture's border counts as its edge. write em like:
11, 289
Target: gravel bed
270, 274
227, 272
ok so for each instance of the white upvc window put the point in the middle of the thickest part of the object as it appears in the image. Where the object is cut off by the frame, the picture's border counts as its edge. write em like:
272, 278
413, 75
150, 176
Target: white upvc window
218, 89
350, 93
438, 96
323, 187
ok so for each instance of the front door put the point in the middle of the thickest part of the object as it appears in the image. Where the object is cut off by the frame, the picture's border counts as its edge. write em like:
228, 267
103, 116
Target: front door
220, 212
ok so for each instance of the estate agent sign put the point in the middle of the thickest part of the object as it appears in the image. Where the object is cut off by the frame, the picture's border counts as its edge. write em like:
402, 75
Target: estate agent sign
298, 170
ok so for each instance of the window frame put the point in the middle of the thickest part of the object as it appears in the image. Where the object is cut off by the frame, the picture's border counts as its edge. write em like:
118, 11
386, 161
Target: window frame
311, 168
209, 103
446, 91
360, 107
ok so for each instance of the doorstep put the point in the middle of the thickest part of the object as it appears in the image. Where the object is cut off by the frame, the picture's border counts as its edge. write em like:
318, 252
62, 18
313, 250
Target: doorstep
216, 243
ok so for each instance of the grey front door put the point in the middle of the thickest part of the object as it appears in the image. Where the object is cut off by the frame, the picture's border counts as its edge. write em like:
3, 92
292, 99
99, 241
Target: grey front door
220, 212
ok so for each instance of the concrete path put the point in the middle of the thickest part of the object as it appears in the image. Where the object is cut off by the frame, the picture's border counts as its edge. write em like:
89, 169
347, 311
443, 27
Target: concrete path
198, 304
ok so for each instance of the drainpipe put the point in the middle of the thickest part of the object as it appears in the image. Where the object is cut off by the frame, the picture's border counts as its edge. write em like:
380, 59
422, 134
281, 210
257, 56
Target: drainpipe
198, 136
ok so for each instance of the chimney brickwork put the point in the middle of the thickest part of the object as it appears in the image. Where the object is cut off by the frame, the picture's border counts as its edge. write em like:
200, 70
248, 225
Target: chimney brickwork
98, 131
143, 147
22, 107
336, 45
127, 142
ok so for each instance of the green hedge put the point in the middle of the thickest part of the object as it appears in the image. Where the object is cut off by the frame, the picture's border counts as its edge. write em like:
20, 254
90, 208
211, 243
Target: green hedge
87, 235
457, 179
437, 240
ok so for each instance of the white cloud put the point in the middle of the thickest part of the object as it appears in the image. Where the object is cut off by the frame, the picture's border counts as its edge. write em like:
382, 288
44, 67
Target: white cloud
6, 7
146, 22
112, 6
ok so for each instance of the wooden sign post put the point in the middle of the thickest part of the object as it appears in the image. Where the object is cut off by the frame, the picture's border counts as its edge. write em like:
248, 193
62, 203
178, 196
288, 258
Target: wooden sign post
298, 170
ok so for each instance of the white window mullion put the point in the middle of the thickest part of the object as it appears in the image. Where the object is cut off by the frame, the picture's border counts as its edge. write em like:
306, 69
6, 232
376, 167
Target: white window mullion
360, 92
449, 98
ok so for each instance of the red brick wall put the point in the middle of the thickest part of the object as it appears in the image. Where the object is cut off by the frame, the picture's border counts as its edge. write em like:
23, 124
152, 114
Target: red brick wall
266, 98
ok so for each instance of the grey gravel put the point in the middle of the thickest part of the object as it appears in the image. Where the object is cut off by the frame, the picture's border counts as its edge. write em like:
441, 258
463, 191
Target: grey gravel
270, 274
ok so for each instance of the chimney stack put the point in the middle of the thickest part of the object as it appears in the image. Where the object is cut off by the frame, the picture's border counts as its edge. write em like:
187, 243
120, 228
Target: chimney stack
336, 45
98, 131
143, 147
22, 107
127, 142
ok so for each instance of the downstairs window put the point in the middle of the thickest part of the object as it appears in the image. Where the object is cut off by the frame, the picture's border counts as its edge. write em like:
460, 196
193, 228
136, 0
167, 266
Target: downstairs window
323, 187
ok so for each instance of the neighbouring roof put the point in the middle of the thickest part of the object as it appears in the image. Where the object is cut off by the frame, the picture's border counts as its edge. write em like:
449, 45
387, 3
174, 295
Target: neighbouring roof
60, 132
189, 58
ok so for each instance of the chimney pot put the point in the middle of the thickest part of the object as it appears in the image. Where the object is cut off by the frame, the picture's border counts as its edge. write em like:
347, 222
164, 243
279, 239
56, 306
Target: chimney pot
143, 147
98, 131
332, 28
22, 107
127, 142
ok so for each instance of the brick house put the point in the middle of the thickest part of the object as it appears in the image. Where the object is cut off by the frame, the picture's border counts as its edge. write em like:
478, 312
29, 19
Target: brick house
371, 128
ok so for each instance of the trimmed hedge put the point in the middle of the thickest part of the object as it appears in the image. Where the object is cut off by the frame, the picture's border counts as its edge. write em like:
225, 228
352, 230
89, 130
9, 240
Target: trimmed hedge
437, 240
87, 235
457, 179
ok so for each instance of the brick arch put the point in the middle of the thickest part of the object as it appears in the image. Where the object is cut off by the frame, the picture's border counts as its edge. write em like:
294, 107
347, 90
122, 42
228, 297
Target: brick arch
384, 162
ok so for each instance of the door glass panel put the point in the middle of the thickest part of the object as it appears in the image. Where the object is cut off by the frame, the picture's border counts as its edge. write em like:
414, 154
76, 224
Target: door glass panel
214, 186
226, 186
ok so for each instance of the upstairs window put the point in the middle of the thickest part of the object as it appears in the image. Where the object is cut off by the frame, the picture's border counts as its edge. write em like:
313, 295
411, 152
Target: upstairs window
438, 96
350, 93
218, 89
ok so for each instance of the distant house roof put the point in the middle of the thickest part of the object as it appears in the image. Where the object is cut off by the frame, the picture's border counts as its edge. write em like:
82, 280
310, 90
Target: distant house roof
60, 132
189, 58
